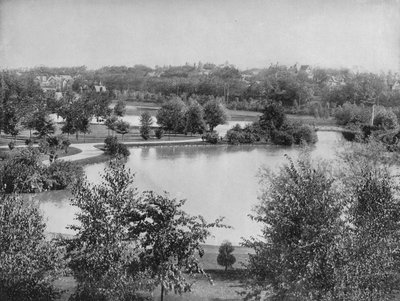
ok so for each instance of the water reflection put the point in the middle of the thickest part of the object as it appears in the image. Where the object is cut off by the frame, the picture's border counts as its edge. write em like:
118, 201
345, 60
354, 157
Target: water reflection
215, 180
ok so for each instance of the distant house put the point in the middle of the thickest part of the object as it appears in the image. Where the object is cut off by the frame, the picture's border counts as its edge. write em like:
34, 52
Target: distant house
100, 88
55, 82
335, 81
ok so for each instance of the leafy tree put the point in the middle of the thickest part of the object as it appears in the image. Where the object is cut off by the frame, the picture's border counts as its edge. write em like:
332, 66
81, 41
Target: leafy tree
115, 149
171, 242
225, 257
300, 213
110, 123
120, 108
29, 264
101, 255
195, 118
214, 114
145, 123
171, 115
63, 174
273, 118
385, 119
121, 127
23, 171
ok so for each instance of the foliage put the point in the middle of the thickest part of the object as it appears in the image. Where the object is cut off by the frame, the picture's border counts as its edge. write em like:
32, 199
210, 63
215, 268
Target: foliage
110, 122
145, 123
385, 119
352, 114
159, 133
23, 171
282, 138
121, 127
11, 145
120, 108
194, 118
211, 137
214, 114
101, 255
225, 257
28, 263
249, 134
113, 148
300, 213
273, 118
304, 133
127, 242
63, 174
171, 242
171, 115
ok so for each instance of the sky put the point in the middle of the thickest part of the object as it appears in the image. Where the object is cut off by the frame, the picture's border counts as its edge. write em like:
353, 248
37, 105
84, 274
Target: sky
248, 34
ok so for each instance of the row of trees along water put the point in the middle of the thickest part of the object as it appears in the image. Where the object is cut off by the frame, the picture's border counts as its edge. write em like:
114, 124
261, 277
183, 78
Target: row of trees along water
329, 232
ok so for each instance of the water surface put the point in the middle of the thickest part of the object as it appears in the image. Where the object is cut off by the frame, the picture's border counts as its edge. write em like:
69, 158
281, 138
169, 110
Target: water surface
215, 180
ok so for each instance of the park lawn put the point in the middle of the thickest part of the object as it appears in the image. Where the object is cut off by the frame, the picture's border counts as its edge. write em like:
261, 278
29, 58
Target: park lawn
225, 283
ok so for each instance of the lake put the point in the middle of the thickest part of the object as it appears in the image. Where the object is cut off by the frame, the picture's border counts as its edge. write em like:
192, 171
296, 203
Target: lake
215, 180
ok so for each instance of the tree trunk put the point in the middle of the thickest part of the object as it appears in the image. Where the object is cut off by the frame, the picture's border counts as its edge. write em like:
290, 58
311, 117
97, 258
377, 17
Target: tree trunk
226, 268
162, 292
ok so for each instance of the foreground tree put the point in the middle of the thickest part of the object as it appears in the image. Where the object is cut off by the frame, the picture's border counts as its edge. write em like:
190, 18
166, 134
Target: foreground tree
225, 257
127, 242
28, 263
301, 216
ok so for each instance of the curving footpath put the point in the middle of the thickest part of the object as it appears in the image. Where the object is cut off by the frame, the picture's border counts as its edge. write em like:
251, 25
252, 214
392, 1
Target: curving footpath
88, 150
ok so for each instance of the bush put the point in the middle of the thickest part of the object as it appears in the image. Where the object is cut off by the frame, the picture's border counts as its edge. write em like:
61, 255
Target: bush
352, 114
28, 263
234, 137
11, 145
282, 138
29, 142
159, 133
63, 174
211, 137
113, 148
305, 133
385, 119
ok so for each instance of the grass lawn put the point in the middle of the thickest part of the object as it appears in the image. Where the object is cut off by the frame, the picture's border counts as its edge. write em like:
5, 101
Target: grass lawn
225, 283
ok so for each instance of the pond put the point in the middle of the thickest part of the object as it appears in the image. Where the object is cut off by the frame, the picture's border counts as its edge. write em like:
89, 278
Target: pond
215, 180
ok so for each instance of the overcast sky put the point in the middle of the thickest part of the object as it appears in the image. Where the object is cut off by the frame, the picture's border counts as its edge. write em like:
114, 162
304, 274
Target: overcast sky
251, 33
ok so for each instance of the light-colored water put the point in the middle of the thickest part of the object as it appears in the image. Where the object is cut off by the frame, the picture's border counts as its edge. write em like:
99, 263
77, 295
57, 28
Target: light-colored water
215, 180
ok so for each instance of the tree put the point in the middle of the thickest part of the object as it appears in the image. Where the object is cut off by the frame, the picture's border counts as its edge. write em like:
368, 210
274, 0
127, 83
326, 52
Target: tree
171, 242
121, 127
145, 123
110, 123
195, 118
29, 264
300, 213
115, 149
120, 108
214, 114
102, 257
171, 115
225, 258
273, 118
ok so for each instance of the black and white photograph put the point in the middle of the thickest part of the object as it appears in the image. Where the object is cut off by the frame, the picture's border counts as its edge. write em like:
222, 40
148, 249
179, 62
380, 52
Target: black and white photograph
199, 150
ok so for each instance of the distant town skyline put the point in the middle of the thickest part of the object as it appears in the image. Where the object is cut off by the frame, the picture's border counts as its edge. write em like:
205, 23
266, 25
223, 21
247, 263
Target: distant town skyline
248, 34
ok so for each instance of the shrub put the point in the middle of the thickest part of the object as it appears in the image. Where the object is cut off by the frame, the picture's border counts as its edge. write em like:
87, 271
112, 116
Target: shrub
29, 142
306, 134
63, 174
282, 138
385, 119
234, 137
11, 145
159, 133
114, 148
28, 263
352, 114
211, 137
